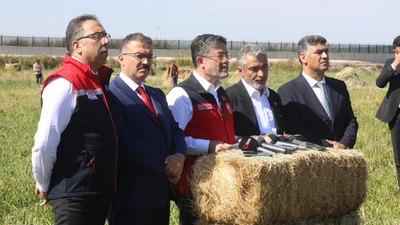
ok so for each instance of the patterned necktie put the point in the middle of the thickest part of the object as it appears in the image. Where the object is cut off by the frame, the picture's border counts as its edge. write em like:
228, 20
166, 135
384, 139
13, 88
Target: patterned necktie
146, 100
321, 92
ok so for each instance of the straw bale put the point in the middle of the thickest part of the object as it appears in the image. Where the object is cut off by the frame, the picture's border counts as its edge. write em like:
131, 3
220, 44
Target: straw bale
229, 188
350, 77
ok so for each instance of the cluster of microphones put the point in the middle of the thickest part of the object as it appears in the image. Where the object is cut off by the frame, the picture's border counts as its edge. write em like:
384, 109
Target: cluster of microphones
270, 144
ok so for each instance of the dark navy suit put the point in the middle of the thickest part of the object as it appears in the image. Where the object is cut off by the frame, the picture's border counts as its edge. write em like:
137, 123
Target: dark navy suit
305, 115
144, 143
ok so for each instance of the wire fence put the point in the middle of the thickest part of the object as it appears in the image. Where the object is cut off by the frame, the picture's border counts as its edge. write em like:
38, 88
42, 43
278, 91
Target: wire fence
182, 44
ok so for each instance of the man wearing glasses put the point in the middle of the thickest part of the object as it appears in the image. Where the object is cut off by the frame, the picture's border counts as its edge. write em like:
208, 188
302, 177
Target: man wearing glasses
74, 155
152, 146
202, 109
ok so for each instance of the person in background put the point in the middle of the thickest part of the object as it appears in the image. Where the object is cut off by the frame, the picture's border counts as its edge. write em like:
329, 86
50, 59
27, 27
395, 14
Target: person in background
389, 111
256, 108
152, 146
75, 151
314, 105
202, 109
37, 69
173, 72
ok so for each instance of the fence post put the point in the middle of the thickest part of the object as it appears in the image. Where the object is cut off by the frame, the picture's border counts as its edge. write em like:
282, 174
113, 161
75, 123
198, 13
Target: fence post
17, 40
349, 48
33, 41
1, 40
48, 41
179, 44
231, 46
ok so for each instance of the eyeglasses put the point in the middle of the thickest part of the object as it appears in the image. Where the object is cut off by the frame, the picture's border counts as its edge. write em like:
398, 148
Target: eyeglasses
219, 56
139, 56
97, 36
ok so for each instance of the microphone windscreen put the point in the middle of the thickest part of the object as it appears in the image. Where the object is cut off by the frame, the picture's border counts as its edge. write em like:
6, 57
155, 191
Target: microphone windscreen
248, 144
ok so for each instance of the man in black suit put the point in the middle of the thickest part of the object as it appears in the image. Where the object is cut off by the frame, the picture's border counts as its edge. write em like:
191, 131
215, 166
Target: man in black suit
256, 108
316, 106
388, 112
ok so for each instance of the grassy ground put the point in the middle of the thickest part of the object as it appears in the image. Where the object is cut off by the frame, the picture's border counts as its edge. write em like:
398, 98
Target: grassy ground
19, 113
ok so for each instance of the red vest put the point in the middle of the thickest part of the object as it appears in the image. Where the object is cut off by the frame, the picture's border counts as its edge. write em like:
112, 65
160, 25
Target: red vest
207, 122
87, 152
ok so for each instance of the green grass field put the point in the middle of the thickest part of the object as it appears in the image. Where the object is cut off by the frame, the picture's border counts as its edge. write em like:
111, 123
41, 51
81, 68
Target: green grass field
19, 114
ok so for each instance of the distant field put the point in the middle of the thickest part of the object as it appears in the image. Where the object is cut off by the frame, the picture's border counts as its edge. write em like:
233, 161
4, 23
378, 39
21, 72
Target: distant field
19, 114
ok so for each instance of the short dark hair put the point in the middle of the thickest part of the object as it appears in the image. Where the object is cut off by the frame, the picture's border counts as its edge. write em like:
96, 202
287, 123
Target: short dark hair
308, 41
74, 29
135, 37
396, 42
202, 45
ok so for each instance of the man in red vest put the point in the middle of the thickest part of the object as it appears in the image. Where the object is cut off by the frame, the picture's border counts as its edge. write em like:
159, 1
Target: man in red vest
202, 109
75, 151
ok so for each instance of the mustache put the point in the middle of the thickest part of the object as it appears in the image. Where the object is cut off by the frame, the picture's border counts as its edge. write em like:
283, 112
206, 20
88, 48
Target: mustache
144, 67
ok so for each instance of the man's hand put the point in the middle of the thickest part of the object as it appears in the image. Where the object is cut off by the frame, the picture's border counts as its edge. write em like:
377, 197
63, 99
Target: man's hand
396, 61
174, 166
218, 146
336, 145
44, 196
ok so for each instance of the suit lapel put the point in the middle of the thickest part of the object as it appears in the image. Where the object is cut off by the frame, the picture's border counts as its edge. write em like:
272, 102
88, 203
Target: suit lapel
247, 104
312, 99
132, 95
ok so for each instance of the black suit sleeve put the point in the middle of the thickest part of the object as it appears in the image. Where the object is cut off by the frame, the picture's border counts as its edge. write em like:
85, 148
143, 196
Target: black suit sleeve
386, 74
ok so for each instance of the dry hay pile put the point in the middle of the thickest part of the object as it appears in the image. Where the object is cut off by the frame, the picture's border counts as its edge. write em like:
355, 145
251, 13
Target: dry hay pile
351, 78
229, 188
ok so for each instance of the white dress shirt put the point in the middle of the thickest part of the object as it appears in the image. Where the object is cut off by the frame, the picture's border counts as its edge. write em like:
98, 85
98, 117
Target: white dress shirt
181, 107
312, 82
59, 101
262, 108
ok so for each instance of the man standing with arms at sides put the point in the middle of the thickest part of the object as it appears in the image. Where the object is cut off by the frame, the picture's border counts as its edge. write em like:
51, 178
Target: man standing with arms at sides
315, 105
173, 72
74, 155
203, 111
37, 68
389, 111
152, 146
256, 108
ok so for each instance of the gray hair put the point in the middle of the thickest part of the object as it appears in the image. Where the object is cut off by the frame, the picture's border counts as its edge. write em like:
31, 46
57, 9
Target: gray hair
250, 50
74, 29
202, 45
135, 37
308, 41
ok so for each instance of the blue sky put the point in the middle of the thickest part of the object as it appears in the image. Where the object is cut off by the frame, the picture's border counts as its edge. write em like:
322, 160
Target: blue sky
340, 21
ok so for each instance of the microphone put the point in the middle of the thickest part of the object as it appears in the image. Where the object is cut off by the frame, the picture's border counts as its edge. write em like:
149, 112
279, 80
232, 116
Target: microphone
259, 141
252, 144
281, 141
305, 144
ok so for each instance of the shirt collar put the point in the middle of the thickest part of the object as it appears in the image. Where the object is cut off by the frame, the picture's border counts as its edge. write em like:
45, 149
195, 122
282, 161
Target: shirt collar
132, 84
205, 84
311, 81
251, 90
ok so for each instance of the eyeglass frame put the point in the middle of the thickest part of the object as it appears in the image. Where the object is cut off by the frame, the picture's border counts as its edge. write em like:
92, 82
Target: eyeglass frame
93, 36
140, 56
219, 56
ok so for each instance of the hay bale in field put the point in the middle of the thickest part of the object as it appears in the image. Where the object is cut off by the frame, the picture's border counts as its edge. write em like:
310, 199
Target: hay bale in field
229, 188
350, 77
12, 67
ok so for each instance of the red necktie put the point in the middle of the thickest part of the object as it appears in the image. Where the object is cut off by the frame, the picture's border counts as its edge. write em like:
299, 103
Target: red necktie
146, 100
